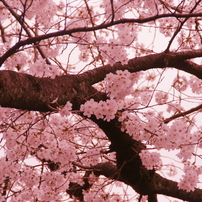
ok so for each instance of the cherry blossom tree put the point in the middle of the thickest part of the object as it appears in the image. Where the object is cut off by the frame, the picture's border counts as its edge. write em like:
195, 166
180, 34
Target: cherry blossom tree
96, 96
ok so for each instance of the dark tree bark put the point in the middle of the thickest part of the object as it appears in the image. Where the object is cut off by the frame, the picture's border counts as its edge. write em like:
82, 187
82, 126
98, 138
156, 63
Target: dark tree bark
24, 91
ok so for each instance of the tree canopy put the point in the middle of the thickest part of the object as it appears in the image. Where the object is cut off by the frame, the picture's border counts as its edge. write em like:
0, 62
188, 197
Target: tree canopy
100, 95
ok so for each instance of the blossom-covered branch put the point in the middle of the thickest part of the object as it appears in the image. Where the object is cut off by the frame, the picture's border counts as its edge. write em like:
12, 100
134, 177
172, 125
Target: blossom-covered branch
43, 88
70, 32
85, 87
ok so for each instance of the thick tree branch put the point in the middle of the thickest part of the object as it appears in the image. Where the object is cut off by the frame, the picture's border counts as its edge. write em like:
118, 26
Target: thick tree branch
190, 67
130, 168
28, 92
178, 60
107, 169
76, 190
160, 184
127, 156
110, 171
170, 188
22, 91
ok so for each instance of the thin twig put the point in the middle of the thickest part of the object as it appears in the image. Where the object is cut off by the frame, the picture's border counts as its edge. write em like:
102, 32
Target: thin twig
183, 113
22, 23
2, 33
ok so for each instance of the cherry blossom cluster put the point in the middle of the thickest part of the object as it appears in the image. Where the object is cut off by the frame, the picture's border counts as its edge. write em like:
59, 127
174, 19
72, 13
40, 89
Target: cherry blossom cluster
166, 26
195, 84
118, 9
65, 111
40, 68
3, 12
114, 52
180, 83
49, 181
94, 196
17, 62
15, 143
161, 97
179, 132
177, 135
133, 125
120, 84
64, 151
190, 178
186, 152
42, 10
150, 159
115, 49
7, 169
48, 143
102, 110
150, 5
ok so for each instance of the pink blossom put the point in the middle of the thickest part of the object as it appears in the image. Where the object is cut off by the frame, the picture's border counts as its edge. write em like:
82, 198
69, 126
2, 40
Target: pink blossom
65, 111
150, 159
